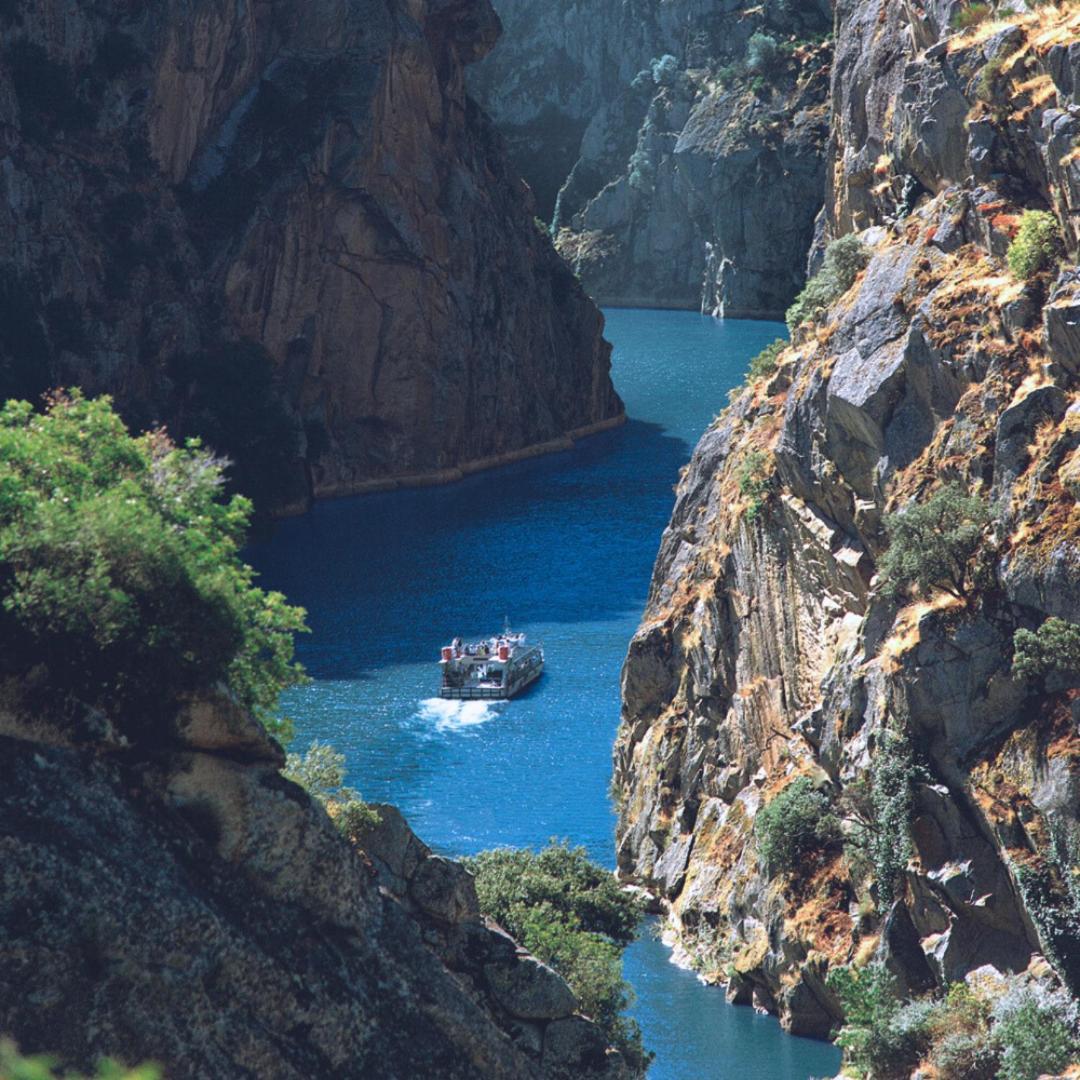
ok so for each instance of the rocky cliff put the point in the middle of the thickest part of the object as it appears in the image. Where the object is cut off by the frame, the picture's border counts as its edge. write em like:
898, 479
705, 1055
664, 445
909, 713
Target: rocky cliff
286, 228
688, 167
772, 651
178, 900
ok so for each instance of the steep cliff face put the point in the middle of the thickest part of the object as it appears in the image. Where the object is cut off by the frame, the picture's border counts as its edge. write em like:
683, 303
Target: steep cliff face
286, 228
182, 902
693, 183
770, 649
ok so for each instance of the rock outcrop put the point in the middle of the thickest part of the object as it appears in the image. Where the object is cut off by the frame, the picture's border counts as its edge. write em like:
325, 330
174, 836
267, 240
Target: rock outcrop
286, 228
771, 650
182, 902
689, 182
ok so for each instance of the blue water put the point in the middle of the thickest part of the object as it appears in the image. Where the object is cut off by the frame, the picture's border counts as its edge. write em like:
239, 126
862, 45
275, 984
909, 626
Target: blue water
563, 545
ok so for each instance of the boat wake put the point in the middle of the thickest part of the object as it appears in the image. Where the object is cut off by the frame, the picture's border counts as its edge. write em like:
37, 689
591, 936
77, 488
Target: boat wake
447, 717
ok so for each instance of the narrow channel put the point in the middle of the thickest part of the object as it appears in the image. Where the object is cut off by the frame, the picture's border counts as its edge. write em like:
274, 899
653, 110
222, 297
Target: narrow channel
564, 547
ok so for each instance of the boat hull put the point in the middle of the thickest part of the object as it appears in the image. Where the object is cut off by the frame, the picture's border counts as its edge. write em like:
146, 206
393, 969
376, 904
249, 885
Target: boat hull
491, 693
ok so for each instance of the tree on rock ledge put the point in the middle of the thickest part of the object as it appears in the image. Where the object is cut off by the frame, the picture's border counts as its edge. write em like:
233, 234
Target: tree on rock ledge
120, 575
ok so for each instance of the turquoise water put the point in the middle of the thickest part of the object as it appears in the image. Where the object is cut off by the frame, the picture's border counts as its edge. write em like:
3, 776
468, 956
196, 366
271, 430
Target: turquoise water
564, 546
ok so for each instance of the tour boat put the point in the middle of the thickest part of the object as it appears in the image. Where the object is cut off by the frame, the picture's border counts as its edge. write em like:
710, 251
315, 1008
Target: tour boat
494, 669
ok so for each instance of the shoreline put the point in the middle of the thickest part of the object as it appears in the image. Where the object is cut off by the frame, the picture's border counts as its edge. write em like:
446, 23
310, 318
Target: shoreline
451, 475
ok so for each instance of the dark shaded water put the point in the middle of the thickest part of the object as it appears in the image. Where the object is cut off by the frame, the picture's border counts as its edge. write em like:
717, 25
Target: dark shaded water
564, 545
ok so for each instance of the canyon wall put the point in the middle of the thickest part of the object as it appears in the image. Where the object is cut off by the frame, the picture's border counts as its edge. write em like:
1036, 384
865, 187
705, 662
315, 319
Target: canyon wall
771, 650
689, 182
171, 897
287, 229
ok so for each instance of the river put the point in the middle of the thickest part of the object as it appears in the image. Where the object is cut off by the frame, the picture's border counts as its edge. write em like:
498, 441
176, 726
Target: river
564, 546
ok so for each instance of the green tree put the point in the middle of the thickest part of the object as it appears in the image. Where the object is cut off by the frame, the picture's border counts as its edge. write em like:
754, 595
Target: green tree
930, 543
1035, 247
1054, 647
765, 361
844, 259
120, 571
762, 54
572, 914
796, 822
874, 1043
1036, 1029
321, 773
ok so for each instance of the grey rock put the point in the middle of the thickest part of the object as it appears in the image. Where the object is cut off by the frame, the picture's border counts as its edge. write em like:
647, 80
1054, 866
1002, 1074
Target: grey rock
445, 890
530, 990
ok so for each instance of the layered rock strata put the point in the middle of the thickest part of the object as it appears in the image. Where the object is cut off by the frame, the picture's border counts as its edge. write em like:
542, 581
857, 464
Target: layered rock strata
770, 649
286, 228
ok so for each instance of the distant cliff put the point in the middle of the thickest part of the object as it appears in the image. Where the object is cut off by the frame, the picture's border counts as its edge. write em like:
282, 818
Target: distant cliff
771, 650
692, 181
286, 228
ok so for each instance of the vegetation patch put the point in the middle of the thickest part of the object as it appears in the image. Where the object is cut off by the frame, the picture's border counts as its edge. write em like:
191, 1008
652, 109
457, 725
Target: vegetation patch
931, 544
844, 259
14, 1066
321, 773
571, 914
1036, 246
798, 822
765, 362
120, 570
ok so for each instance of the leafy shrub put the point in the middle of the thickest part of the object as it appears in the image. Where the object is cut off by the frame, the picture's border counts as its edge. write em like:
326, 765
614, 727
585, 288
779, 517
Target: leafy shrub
891, 774
971, 15
966, 1056
1035, 247
844, 259
1037, 1031
873, 1041
762, 54
930, 543
642, 175
727, 74
13, 1066
321, 773
753, 478
1054, 647
570, 913
120, 569
987, 79
665, 70
765, 361
798, 821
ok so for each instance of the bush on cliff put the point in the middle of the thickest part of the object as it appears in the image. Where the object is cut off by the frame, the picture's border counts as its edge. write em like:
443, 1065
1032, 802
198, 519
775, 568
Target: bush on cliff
844, 259
120, 575
1035, 247
321, 773
1037, 1030
878, 1039
572, 914
930, 544
1054, 647
795, 823
765, 362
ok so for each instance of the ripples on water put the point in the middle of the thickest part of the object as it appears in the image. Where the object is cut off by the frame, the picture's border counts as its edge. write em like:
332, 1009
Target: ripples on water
563, 545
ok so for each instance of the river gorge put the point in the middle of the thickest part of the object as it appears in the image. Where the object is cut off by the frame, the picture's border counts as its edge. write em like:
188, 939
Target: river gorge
564, 546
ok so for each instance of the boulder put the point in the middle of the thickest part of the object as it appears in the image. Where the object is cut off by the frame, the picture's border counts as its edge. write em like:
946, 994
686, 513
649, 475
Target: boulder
445, 890
530, 990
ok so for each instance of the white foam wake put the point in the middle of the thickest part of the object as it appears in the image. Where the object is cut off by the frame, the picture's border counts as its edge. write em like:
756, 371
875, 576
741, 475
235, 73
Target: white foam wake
450, 716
